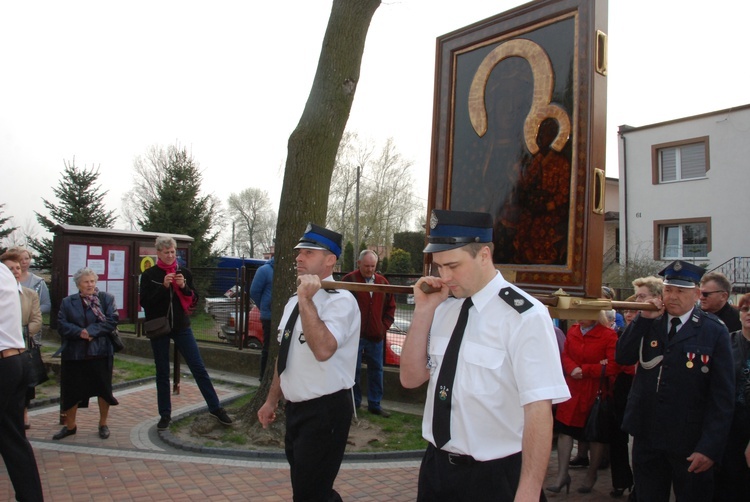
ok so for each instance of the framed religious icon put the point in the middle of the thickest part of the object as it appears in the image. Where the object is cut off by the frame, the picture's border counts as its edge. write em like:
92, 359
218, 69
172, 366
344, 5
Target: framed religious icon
519, 132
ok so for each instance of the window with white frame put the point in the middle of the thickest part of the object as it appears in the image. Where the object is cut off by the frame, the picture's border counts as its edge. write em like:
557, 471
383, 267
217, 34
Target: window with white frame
684, 239
682, 161
685, 162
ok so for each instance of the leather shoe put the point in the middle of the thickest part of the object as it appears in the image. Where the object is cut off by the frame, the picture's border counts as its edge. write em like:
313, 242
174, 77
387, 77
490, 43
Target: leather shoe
380, 411
65, 432
103, 431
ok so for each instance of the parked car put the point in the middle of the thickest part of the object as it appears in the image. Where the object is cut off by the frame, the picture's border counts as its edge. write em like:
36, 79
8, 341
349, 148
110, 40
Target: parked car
221, 306
253, 337
394, 341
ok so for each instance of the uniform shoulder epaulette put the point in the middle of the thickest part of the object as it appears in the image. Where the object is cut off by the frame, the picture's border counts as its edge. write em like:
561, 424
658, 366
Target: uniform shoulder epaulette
516, 300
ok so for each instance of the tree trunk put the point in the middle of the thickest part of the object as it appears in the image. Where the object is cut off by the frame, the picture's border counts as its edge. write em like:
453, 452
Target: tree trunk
311, 156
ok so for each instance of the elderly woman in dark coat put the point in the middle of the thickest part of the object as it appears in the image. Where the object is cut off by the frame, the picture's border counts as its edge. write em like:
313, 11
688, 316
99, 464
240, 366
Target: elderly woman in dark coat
85, 322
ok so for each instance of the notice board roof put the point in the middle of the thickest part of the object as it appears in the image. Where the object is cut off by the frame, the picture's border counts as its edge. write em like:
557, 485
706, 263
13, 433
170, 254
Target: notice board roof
63, 229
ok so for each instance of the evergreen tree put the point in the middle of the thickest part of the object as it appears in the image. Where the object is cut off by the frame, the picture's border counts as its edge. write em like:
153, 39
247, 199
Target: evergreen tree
178, 206
400, 262
347, 258
5, 231
81, 203
413, 243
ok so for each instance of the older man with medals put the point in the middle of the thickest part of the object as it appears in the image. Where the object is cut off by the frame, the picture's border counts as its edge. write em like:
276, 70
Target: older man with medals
681, 402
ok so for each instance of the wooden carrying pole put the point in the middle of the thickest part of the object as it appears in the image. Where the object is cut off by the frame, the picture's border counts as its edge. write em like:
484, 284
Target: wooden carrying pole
574, 307
367, 288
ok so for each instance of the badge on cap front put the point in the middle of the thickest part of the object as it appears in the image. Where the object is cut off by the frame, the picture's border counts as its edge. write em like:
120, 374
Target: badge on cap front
677, 267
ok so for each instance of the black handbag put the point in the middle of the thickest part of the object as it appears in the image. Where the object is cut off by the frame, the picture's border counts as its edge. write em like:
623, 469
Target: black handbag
600, 419
117, 344
159, 326
37, 370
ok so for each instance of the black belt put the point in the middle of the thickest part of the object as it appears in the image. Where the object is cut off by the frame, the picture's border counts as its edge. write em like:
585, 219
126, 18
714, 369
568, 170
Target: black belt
456, 459
459, 459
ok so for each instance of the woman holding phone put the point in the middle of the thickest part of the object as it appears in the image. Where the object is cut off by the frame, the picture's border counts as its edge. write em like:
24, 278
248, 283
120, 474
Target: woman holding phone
167, 290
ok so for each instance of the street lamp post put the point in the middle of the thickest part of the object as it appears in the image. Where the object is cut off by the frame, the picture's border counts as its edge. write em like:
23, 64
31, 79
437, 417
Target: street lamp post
356, 223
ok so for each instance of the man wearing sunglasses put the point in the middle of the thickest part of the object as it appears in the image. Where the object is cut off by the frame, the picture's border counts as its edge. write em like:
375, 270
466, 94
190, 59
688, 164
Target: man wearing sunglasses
681, 403
715, 289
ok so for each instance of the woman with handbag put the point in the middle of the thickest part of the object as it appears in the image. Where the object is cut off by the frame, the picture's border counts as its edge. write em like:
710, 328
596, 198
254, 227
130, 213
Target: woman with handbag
31, 318
84, 323
588, 346
168, 297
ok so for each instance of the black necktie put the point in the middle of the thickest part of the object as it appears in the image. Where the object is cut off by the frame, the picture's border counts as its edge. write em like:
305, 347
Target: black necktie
673, 330
286, 338
441, 416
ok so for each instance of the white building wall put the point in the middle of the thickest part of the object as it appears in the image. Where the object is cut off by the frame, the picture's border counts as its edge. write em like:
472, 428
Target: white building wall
724, 195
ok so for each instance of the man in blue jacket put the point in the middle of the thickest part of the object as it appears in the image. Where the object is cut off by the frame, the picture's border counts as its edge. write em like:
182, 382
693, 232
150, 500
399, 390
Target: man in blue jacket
681, 403
260, 292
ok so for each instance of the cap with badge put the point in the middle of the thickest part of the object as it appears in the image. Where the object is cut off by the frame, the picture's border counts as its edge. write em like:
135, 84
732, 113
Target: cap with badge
317, 237
682, 274
454, 229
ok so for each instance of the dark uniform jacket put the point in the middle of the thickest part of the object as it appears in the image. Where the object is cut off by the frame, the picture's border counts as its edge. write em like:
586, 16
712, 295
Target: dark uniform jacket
155, 298
684, 403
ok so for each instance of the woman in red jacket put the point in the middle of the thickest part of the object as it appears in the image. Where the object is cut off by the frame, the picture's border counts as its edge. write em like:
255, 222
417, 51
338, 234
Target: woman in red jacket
588, 346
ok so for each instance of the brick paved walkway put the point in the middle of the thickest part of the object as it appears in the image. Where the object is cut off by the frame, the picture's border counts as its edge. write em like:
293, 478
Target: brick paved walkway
134, 465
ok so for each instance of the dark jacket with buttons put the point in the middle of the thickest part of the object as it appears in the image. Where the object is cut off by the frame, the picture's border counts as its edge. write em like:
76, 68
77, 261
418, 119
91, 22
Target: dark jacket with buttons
684, 403
73, 317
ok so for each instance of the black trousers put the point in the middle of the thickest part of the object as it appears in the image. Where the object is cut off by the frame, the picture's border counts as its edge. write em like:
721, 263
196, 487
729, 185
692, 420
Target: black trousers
266, 325
446, 479
656, 471
619, 454
316, 434
14, 447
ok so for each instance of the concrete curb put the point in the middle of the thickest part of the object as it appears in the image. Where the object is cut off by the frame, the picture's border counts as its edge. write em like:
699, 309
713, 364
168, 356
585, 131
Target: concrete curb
170, 439
233, 379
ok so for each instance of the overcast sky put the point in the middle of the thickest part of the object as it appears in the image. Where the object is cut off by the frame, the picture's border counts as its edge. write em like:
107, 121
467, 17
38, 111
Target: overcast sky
103, 81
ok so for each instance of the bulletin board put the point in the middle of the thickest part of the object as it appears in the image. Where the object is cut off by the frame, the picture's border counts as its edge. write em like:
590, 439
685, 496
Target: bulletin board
111, 264
119, 257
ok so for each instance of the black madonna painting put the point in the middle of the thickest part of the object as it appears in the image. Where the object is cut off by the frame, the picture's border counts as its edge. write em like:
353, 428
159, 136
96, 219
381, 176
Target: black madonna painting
518, 114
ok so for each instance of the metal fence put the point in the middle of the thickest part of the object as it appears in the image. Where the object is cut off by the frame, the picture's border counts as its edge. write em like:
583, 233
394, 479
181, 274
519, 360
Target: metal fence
224, 310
